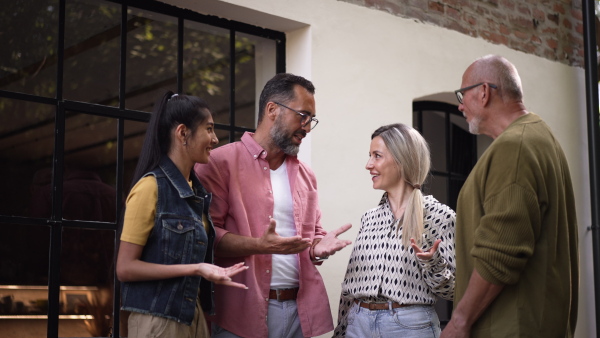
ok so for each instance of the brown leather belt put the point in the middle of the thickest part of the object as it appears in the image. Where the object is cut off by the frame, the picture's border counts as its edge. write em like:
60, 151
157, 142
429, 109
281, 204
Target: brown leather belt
379, 306
283, 294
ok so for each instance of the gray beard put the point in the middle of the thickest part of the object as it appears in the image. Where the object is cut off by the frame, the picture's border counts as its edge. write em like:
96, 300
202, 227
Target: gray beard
282, 140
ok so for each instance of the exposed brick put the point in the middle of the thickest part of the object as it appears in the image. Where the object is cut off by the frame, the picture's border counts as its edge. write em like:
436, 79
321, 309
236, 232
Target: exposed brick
436, 6
539, 15
552, 29
524, 10
553, 17
453, 25
521, 35
558, 7
471, 20
508, 4
522, 22
453, 13
577, 14
552, 43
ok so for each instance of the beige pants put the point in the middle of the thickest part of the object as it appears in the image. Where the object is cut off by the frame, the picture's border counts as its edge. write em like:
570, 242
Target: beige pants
147, 326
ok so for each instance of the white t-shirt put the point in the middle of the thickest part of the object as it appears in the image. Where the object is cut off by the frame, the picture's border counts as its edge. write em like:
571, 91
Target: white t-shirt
285, 267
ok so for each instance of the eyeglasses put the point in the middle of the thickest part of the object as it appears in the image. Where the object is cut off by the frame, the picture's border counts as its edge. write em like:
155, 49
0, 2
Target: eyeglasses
461, 92
305, 120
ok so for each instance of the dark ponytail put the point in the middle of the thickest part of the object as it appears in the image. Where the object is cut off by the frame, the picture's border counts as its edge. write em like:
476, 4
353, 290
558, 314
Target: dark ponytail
169, 111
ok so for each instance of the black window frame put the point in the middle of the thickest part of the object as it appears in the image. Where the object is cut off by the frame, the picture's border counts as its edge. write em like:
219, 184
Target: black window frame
55, 222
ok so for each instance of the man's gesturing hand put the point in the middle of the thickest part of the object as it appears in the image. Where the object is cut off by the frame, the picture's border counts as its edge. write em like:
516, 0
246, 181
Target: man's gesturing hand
272, 243
330, 244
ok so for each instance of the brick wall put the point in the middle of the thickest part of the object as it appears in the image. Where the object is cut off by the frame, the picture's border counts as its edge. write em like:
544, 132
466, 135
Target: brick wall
552, 29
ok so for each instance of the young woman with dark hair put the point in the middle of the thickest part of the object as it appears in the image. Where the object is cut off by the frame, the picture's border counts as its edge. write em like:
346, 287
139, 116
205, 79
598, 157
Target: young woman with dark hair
166, 251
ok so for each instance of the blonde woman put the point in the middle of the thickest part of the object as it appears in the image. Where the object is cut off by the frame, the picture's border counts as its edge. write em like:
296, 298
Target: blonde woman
403, 256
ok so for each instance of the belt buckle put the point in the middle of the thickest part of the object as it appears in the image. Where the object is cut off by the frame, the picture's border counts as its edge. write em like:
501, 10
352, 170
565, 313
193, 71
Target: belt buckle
277, 291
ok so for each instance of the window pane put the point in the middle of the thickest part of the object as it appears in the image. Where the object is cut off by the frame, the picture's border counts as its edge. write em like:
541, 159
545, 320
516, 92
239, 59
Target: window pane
92, 43
438, 187
133, 140
23, 280
151, 58
87, 281
26, 148
434, 131
29, 41
206, 67
90, 167
254, 66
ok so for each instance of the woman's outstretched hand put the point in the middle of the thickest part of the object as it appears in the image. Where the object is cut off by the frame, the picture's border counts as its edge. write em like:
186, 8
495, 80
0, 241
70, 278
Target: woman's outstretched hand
425, 255
219, 275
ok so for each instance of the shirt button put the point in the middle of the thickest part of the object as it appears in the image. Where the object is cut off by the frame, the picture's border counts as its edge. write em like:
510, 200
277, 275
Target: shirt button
179, 226
267, 271
255, 156
266, 299
270, 191
264, 168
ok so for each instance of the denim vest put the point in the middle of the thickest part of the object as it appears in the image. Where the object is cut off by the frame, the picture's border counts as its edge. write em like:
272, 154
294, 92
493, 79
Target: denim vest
178, 237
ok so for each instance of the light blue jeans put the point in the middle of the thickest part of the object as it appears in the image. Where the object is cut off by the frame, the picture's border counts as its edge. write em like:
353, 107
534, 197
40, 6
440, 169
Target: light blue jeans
282, 322
415, 321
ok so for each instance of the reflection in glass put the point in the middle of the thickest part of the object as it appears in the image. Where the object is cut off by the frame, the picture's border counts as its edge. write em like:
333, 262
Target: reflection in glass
87, 272
89, 192
26, 148
23, 279
206, 67
91, 56
254, 66
151, 58
29, 41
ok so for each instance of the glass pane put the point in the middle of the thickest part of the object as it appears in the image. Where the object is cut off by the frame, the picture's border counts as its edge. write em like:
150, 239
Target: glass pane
26, 148
133, 140
92, 43
434, 131
254, 66
23, 280
238, 136
151, 58
206, 67
87, 282
29, 46
462, 151
438, 187
90, 167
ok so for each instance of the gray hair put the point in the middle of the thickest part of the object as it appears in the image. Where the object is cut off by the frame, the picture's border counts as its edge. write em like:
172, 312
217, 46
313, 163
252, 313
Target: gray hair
499, 71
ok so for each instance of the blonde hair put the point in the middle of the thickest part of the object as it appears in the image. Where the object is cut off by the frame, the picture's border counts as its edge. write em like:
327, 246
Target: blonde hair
411, 153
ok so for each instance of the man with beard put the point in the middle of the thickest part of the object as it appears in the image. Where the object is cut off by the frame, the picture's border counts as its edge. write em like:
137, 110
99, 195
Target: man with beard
266, 214
517, 268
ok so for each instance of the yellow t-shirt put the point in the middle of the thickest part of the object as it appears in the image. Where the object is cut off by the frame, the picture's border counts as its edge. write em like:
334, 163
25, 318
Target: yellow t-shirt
140, 211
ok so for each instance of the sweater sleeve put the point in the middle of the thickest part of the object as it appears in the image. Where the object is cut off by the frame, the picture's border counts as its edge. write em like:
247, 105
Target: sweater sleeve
506, 236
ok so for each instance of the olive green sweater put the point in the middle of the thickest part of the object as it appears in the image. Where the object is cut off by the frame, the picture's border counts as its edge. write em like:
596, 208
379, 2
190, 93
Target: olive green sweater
516, 225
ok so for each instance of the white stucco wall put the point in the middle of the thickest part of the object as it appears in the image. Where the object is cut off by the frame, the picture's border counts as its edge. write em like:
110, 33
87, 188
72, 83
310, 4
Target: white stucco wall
368, 66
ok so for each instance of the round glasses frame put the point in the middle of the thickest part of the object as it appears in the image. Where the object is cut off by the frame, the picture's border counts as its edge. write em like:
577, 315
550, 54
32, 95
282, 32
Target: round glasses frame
305, 120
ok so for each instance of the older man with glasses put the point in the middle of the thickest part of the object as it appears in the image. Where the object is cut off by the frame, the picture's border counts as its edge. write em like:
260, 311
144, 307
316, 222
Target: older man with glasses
517, 266
266, 213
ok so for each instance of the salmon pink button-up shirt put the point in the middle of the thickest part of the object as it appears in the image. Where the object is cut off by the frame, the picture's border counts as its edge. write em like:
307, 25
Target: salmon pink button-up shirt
238, 175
